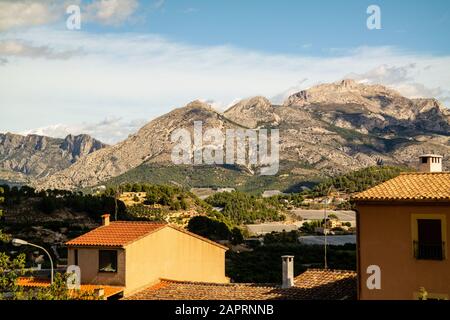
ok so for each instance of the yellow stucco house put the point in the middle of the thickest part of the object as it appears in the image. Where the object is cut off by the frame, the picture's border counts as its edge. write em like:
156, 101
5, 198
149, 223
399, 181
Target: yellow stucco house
402, 235
133, 255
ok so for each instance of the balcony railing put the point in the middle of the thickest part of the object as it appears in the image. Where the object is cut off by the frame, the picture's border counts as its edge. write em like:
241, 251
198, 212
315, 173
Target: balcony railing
429, 251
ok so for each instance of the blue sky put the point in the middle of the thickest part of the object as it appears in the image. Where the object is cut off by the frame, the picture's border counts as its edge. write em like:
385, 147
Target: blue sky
297, 26
134, 60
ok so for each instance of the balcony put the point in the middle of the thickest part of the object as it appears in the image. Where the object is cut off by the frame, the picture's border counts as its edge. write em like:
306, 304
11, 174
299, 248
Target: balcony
429, 251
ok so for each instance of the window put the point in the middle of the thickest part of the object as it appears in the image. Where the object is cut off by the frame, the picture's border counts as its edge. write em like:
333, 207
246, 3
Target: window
424, 160
75, 254
429, 245
107, 261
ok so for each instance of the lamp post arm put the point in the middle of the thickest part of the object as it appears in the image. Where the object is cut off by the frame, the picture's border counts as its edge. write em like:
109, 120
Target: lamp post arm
49, 256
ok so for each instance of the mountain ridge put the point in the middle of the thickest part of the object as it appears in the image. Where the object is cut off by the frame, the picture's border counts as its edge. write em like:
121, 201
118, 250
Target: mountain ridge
37, 156
325, 130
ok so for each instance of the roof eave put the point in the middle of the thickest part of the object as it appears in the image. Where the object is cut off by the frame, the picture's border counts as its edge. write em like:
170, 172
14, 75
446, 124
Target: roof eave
401, 201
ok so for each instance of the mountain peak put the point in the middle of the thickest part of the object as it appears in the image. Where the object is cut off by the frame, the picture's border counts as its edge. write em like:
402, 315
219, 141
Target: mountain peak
346, 91
347, 83
250, 111
198, 104
36, 155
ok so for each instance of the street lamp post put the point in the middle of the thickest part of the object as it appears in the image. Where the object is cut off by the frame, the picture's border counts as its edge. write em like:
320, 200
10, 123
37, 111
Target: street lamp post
20, 242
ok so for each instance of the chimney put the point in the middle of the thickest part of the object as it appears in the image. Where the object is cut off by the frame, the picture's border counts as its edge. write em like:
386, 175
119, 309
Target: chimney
430, 163
288, 271
105, 219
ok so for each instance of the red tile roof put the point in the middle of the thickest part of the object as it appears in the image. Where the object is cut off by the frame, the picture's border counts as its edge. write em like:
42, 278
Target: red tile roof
313, 284
31, 282
122, 233
116, 234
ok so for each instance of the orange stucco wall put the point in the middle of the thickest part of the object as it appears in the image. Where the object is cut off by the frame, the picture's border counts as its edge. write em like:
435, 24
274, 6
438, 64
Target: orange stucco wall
174, 255
88, 263
385, 239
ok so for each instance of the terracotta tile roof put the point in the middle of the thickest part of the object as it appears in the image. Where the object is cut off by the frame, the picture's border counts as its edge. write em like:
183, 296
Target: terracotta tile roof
410, 187
313, 284
328, 284
122, 233
116, 234
31, 282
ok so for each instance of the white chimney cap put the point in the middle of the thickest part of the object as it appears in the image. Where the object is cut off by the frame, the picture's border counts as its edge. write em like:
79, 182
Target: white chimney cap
430, 155
430, 163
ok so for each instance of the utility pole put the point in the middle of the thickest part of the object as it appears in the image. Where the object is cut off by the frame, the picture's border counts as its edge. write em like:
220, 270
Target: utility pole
116, 196
325, 226
325, 233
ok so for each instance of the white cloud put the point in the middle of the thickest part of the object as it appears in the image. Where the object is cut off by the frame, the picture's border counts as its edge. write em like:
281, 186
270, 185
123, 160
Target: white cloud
405, 79
29, 13
110, 12
385, 74
281, 97
109, 130
26, 13
140, 76
19, 48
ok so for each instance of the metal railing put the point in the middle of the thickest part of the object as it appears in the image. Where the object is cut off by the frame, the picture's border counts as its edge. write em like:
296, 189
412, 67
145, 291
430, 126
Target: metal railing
429, 251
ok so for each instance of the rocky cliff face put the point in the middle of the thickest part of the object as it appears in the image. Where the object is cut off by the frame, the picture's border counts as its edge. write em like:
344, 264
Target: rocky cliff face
366, 108
328, 129
35, 156
150, 144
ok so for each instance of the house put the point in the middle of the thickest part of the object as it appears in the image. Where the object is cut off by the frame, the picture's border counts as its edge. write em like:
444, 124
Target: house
333, 222
133, 255
402, 229
147, 261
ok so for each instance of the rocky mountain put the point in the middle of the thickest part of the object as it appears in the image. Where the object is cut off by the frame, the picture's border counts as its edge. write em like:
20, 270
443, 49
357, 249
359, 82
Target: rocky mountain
328, 129
27, 157
151, 144
372, 108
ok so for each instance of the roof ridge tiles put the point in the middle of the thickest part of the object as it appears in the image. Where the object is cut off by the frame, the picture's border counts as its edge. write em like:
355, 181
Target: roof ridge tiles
262, 285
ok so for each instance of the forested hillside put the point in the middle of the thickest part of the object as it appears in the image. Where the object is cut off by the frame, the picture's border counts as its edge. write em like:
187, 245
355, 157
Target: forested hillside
359, 180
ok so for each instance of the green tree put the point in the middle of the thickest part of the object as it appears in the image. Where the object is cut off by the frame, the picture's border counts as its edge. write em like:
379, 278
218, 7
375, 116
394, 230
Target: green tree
48, 204
236, 236
209, 228
183, 203
2, 200
239, 207
136, 188
59, 291
10, 271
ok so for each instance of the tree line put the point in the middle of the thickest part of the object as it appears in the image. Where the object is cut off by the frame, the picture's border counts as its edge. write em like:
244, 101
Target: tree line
357, 181
242, 208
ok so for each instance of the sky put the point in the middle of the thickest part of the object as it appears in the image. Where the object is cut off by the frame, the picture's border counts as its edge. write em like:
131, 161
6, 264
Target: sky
132, 61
